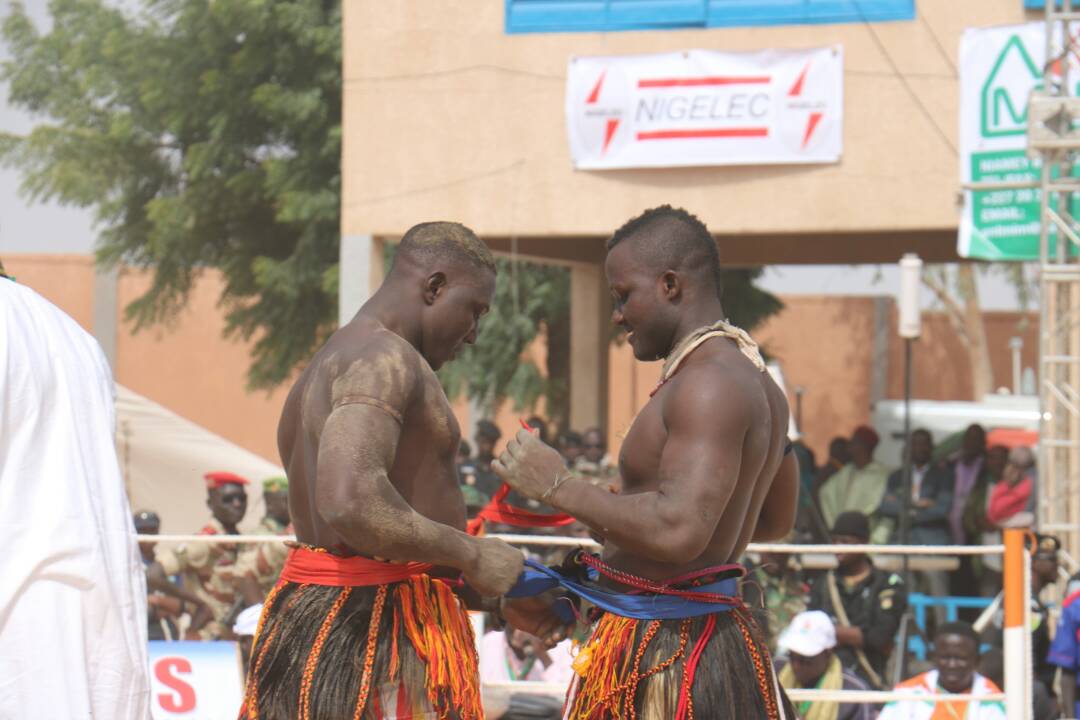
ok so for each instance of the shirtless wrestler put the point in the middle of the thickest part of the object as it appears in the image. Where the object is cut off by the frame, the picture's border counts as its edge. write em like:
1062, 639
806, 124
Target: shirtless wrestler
365, 621
704, 471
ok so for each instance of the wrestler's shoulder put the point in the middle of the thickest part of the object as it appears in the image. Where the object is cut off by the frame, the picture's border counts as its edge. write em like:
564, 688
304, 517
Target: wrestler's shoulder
711, 386
364, 352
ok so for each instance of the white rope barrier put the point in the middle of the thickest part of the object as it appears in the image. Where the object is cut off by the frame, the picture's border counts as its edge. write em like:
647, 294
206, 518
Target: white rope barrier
563, 541
872, 697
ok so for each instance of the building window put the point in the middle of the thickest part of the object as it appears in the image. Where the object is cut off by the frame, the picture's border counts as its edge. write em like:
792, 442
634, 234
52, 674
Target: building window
527, 16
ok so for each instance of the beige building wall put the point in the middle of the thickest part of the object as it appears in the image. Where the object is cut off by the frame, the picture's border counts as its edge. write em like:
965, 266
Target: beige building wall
447, 116
824, 344
185, 365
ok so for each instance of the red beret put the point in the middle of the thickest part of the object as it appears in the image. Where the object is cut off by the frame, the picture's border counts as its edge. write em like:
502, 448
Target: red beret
866, 435
218, 478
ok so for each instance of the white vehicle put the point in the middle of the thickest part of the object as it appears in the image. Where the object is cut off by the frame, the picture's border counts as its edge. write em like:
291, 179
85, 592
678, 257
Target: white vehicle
944, 418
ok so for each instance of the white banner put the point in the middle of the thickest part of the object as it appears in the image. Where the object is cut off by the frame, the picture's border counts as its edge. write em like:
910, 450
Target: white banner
195, 680
706, 108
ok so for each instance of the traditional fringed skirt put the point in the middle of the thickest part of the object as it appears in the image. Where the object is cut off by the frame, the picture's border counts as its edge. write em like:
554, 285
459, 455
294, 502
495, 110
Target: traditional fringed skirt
714, 666
344, 638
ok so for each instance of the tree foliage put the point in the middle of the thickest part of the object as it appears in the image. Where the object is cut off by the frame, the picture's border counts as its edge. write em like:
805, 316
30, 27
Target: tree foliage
206, 134
529, 298
203, 134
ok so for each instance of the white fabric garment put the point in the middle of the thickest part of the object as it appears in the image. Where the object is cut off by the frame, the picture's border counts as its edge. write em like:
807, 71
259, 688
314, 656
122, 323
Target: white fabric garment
927, 684
72, 587
497, 662
917, 475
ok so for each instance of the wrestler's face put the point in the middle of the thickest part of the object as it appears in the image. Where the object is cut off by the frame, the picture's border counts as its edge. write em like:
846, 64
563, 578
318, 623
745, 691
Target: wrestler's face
228, 503
643, 303
455, 302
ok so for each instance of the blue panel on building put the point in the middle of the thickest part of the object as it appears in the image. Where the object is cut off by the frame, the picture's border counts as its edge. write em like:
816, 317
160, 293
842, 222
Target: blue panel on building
523, 16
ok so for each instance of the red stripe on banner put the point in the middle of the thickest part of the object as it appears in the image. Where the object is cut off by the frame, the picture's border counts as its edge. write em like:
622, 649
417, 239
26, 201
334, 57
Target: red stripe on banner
699, 81
706, 133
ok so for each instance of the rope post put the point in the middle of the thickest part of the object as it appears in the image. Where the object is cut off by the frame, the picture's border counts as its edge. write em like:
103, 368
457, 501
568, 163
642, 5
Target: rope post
1017, 665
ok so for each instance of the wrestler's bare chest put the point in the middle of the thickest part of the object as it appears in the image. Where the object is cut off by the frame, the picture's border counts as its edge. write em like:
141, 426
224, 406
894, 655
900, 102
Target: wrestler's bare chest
424, 469
642, 448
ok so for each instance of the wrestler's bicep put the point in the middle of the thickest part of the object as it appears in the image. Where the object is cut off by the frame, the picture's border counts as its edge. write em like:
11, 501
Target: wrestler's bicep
702, 457
356, 452
777, 515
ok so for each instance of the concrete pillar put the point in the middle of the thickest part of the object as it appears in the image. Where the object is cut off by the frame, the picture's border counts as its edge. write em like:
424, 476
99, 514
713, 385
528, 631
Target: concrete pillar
106, 314
360, 272
589, 337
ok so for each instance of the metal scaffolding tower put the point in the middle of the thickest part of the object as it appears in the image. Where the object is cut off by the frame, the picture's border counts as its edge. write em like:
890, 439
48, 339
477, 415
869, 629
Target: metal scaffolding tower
1054, 137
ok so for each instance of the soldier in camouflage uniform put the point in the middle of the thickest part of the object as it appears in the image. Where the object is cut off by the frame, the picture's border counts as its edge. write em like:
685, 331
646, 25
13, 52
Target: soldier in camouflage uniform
776, 593
262, 562
209, 568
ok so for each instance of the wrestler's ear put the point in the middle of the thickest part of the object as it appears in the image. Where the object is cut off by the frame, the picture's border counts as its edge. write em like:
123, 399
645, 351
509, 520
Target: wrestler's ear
434, 285
671, 285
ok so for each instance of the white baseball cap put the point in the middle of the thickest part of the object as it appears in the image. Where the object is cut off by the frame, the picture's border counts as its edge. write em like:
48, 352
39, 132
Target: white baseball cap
809, 634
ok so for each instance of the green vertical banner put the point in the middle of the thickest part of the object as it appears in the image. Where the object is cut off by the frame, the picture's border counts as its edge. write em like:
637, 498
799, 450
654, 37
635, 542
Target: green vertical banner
999, 68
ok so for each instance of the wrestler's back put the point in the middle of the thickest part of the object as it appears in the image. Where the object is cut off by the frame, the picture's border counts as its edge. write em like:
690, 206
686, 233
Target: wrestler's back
424, 471
762, 452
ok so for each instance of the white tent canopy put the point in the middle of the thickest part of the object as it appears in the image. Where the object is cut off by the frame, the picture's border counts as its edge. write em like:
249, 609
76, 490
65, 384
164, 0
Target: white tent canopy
164, 457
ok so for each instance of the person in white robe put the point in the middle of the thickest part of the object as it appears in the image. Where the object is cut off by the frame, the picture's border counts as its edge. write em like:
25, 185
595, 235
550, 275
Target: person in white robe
72, 587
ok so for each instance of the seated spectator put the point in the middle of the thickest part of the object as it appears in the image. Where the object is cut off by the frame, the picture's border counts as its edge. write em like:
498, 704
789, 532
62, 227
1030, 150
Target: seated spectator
1065, 650
166, 601
775, 593
866, 604
512, 655
1012, 499
966, 470
516, 656
992, 667
569, 446
839, 456
475, 499
537, 424
858, 486
808, 644
487, 435
956, 655
990, 625
977, 525
931, 498
594, 462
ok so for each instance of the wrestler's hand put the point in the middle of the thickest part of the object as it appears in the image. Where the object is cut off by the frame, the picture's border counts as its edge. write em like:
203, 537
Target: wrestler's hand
535, 616
529, 465
496, 568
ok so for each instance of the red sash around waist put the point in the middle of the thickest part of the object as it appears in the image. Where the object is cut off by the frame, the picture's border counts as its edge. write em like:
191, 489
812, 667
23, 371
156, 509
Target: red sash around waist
312, 567
500, 511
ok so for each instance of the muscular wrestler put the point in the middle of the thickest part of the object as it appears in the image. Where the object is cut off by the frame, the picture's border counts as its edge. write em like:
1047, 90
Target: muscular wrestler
363, 622
703, 472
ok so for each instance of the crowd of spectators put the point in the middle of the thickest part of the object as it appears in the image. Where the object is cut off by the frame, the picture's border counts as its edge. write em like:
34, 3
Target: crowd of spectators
214, 591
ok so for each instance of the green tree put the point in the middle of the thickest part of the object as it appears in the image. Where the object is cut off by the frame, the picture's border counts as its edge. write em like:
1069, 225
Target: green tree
203, 134
530, 298
746, 304
206, 134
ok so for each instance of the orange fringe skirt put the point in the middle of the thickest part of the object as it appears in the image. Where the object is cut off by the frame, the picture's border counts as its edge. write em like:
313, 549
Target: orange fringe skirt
329, 650
716, 666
